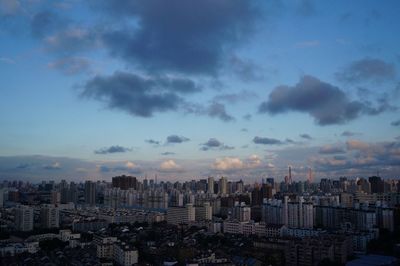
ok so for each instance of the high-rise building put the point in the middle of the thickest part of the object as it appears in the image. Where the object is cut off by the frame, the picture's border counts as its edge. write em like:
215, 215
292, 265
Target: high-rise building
223, 186
49, 216
204, 212
24, 218
124, 182
179, 215
210, 185
90, 193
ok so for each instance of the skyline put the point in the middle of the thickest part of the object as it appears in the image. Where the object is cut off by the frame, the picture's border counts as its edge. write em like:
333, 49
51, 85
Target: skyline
95, 89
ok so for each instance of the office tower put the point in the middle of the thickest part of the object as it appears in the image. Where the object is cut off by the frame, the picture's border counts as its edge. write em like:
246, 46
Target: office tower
310, 176
210, 185
24, 218
90, 193
290, 175
124, 182
377, 184
223, 186
49, 216
239, 187
271, 181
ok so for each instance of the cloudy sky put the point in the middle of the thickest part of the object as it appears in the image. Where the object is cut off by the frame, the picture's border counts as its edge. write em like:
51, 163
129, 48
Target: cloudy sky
187, 89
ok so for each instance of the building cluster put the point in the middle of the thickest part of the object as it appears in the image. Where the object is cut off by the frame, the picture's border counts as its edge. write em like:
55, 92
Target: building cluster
307, 222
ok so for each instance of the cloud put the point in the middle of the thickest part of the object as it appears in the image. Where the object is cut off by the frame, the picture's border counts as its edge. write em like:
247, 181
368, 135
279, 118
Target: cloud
45, 23
183, 36
117, 167
72, 40
218, 110
214, 144
228, 163
137, 95
247, 117
347, 133
246, 70
365, 158
267, 141
367, 69
167, 153
170, 166
152, 141
112, 149
307, 44
326, 103
7, 60
331, 149
176, 139
396, 123
243, 95
53, 166
231, 164
71, 65
305, 136
357, 145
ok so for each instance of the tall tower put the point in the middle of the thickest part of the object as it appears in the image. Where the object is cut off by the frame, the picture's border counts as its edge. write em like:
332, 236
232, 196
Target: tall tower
290, 174
310, 177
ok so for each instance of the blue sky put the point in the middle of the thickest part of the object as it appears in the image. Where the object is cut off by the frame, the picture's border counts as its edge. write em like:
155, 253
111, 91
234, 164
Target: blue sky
91, 89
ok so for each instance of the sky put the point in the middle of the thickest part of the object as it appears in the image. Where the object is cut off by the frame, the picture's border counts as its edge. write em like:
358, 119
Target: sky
189, 89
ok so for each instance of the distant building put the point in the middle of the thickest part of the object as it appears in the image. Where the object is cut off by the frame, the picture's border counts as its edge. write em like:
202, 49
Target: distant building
90, 193
24, 218
179, 215
124, 254
124, 182
49, 216
210, 185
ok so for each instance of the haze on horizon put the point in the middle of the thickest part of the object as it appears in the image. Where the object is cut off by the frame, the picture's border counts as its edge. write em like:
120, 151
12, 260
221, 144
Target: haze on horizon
186, 89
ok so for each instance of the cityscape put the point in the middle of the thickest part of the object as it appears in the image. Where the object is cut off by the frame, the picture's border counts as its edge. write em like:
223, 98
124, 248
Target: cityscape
201, 222
200, 132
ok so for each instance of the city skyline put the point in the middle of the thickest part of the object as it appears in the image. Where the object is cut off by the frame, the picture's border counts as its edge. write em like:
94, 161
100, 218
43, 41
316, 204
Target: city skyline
95, 89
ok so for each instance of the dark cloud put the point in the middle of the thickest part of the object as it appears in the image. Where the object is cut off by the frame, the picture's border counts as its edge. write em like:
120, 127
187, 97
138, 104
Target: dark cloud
244, 95
244, 130
331, 149
152, 141
267, 141
396, 123
137, 95
53, 166
176, 139
23, 166
128, 167
45, 23
247, 117
347, 133
326, 103
245, 69
167, 153
214, 144
218, 110
186, 36
366, 157
112, 149
367, 69
305, 136
71, 65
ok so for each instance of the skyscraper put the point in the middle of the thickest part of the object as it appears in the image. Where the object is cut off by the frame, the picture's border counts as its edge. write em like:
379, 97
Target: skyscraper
210, 185
90, 193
